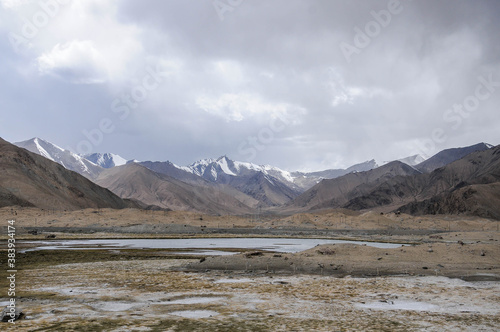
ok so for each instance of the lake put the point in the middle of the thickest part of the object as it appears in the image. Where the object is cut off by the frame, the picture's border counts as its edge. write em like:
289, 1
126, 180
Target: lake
203, 246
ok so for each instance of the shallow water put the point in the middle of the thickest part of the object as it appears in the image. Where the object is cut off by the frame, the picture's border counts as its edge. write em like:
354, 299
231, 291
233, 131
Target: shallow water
114, 306
236, 281
210, 245
400, 305
193, 300
195, 313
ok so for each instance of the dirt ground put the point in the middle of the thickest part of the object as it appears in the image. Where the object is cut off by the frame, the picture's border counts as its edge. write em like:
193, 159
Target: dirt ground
469, 261
146, 295
446, 279
329, 219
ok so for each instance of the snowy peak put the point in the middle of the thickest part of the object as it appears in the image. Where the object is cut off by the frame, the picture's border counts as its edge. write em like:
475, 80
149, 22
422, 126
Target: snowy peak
363, 167
106, 160
57, 154
225, 166
413, 160
42, 147
223, 169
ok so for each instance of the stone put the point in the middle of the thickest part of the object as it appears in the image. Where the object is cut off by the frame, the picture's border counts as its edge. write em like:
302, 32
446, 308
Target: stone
6, 315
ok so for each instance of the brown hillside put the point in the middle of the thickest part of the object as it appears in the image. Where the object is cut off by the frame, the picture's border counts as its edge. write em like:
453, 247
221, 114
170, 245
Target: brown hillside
138, 182
27, 179
443, 190
334, 193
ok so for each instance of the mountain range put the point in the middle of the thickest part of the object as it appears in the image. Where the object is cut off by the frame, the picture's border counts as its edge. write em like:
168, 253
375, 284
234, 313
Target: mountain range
66, 158
269, 186
444, 183
137, 182
338, 192
28, 179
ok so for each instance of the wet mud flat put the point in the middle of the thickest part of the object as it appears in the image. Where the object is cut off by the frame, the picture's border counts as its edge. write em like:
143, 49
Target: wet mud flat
137, 290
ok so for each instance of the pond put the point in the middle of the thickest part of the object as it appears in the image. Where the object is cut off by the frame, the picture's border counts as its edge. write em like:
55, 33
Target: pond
202, 246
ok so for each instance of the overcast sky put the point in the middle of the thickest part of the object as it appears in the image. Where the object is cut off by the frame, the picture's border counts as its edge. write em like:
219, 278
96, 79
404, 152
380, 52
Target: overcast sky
299, 84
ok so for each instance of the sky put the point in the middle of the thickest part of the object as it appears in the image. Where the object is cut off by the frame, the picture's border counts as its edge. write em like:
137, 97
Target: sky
298, 84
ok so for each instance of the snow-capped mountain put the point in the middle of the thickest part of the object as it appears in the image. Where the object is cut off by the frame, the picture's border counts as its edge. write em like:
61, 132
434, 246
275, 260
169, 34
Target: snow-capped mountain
106, 160
413, 160
268, 185
66, 158
213, 169
255, 185
223, 168
309, 179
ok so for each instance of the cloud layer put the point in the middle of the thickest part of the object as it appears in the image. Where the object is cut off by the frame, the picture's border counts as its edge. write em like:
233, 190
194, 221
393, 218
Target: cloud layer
302, 84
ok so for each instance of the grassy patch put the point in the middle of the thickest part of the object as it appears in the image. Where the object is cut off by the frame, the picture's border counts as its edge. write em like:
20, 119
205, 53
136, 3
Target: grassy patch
44, 258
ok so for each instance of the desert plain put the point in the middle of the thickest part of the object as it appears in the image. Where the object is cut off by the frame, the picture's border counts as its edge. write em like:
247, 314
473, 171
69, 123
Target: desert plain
445, 277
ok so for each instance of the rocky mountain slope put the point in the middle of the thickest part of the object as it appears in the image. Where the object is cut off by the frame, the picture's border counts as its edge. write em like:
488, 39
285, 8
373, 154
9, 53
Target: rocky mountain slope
481, 200
140, 183
448, 156
466, 185
66, 158
28, 179
335, 193
442, 184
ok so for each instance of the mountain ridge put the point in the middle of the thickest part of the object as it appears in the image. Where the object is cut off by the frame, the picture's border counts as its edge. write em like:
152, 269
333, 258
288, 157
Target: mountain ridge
419, 193
135, 181
367, 185
28, 179
334, 193
66, 158
106, 160
447, 156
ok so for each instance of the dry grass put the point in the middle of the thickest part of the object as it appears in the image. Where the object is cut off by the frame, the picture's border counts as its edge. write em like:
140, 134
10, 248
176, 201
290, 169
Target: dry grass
133, 295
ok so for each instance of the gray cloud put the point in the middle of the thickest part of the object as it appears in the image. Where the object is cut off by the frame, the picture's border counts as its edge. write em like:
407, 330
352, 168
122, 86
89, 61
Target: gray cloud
226, 83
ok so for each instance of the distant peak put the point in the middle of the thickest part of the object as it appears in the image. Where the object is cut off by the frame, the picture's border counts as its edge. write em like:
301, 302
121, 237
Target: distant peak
38, 140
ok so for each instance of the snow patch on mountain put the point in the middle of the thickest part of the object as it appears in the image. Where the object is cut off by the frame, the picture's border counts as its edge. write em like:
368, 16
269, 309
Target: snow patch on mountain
106, 160
213, 171
275, 171
223, 163
413, 160
66, 158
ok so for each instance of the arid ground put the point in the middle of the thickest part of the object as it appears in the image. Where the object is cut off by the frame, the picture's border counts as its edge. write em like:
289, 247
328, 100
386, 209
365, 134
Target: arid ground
446, 279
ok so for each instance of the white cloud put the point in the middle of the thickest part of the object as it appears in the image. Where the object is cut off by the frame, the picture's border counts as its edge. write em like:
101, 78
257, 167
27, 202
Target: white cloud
10, 4
83, 43
225, 80
341, 93
77, 62
228, 71
241, 106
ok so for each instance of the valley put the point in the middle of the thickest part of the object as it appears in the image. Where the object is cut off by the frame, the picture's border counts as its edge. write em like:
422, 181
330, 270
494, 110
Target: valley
222, 245
439, 280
